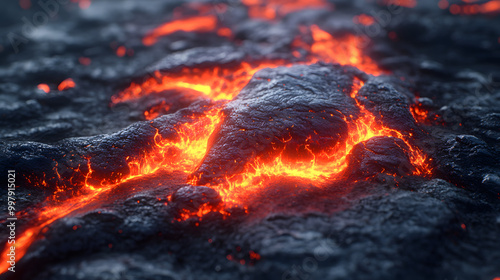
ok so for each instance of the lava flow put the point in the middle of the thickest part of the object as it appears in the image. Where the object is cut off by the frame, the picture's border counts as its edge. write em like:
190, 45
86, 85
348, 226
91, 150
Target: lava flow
198, 24
224, 83
186, 151
181, 155
206, 20
318, 168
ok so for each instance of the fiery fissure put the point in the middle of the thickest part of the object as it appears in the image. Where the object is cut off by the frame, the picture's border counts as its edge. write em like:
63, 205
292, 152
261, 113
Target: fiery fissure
188, 149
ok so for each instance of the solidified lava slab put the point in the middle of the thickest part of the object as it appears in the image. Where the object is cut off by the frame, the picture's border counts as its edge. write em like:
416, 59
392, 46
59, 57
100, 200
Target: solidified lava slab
280, 111
253, 140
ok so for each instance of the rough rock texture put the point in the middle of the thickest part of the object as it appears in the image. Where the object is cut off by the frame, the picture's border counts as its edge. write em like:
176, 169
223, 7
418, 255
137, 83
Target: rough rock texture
386, 227
379, 155
276, 112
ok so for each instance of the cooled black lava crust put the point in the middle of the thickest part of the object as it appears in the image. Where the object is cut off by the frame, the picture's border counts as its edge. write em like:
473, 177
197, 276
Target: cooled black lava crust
446, 226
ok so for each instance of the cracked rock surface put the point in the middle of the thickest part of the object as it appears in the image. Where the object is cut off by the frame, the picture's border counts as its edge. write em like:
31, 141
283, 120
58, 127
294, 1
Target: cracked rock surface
445, 226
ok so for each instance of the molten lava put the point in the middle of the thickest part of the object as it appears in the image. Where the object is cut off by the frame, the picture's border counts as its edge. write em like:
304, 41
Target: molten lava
202, 211
217, 83
221, 83
347, 50
185, 151
490, 7
66, 84
319, 168
193, 24
182, 154
44, 87
206, 20
156, 110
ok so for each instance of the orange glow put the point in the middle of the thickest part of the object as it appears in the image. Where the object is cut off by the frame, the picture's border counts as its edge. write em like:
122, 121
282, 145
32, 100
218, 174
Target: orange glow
419, 113
443, 4
364, 20
156, 110
44, 87
318, 168
121, 51
84, 4
84, 61
202, 211
219, 83
271, 9
181, 154
491, 7
454, 9
23, 241
224, 32
66, 84
254, 256
185, 151
422, 115
192, 24
345, 51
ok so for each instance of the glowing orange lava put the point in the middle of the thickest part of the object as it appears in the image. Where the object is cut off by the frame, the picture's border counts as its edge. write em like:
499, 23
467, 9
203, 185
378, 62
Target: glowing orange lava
219, 83
66, 84
156, 110
121, 51
364, 19
186, 150
182, 154
319, 168
206, 20
216, 83
491, 7
202, 211
193, 24
347, 50
44, 87
423, 116
419, 114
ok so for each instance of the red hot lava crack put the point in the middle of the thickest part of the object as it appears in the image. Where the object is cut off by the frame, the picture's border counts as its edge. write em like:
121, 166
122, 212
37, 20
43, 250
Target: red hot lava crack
188, 150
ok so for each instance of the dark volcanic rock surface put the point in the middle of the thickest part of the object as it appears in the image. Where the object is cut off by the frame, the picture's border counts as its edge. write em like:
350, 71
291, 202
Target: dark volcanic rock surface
279, 111
403, 227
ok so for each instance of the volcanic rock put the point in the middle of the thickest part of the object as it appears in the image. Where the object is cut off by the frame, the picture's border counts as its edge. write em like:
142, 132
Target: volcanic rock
282, 109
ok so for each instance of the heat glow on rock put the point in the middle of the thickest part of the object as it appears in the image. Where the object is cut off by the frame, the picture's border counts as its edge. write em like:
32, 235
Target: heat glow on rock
185, 152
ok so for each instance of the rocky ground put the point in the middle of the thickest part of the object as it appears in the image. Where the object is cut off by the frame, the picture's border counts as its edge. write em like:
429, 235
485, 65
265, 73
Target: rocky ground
380, 221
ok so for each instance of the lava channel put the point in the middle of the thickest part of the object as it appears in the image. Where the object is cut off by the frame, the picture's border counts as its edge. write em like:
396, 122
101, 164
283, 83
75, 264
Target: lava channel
186, 152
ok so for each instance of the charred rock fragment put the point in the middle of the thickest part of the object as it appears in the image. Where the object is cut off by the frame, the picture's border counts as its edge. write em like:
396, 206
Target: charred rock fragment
379, 155
469, 160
